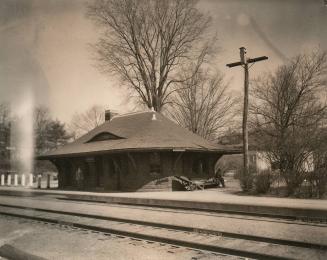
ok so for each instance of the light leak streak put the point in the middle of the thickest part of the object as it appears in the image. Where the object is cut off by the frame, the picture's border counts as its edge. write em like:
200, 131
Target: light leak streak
22, 132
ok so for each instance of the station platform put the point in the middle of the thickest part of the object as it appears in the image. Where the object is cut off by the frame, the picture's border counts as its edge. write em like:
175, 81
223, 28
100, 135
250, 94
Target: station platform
205, 200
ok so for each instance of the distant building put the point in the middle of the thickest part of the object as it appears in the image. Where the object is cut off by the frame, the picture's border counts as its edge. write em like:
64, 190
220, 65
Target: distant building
258, 157
133, 152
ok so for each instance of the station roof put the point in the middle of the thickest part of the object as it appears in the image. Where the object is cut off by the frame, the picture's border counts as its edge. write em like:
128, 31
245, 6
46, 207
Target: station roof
142, 131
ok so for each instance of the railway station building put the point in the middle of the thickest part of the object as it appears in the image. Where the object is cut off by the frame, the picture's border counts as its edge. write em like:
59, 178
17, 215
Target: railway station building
134, 152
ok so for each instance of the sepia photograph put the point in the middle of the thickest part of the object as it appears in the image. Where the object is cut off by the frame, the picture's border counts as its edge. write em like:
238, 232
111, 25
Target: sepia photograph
163, 129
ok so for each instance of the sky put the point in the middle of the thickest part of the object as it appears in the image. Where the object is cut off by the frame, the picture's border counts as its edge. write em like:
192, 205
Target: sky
45, 48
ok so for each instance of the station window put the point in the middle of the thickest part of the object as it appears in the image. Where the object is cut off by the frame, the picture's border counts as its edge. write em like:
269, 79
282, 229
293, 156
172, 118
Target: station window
200, 166
155, 163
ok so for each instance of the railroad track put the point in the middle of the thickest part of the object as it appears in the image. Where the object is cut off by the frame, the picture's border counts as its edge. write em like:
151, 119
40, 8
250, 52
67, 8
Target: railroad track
310, 219
97, 238
298, 220
246, 246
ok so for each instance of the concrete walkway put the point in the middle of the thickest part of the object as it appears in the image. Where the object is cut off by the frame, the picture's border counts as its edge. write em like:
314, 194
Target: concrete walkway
215, 200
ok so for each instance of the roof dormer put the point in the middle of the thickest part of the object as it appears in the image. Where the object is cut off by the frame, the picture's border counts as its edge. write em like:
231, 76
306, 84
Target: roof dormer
104, 136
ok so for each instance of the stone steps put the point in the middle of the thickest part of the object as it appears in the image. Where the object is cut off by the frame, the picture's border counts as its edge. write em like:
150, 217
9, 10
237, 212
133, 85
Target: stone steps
163, 184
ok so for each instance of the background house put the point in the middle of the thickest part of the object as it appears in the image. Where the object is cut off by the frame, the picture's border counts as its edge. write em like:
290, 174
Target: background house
258, 158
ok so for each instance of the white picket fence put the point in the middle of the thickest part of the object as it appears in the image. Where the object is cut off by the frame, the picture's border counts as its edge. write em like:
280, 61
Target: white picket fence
13, 180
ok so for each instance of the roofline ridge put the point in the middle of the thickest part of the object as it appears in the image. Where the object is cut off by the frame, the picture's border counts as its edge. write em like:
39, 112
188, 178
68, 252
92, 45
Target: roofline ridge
130, 113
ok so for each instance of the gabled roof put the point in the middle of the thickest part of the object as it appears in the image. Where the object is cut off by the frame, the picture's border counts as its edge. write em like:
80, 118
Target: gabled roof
137, 132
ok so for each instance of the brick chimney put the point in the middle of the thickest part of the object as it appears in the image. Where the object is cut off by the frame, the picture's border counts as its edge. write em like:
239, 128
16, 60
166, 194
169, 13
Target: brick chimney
109, 114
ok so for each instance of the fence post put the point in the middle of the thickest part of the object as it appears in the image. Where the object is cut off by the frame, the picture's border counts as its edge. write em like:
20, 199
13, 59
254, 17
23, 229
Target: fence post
23, 179
15, 179
9, 179
2, 179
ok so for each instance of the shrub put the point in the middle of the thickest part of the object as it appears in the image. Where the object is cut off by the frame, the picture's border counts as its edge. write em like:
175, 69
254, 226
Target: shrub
263, 181
317, 181
246, 180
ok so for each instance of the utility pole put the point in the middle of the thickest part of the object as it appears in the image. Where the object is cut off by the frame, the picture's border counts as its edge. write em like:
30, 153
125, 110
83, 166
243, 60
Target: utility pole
245, 64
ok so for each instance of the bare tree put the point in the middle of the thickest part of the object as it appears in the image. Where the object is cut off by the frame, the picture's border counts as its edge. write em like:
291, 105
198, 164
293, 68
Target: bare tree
41, 118
84, 122
5, 122
4, 114
48, 133
146, 42
288, 109
203, 104
317, 179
